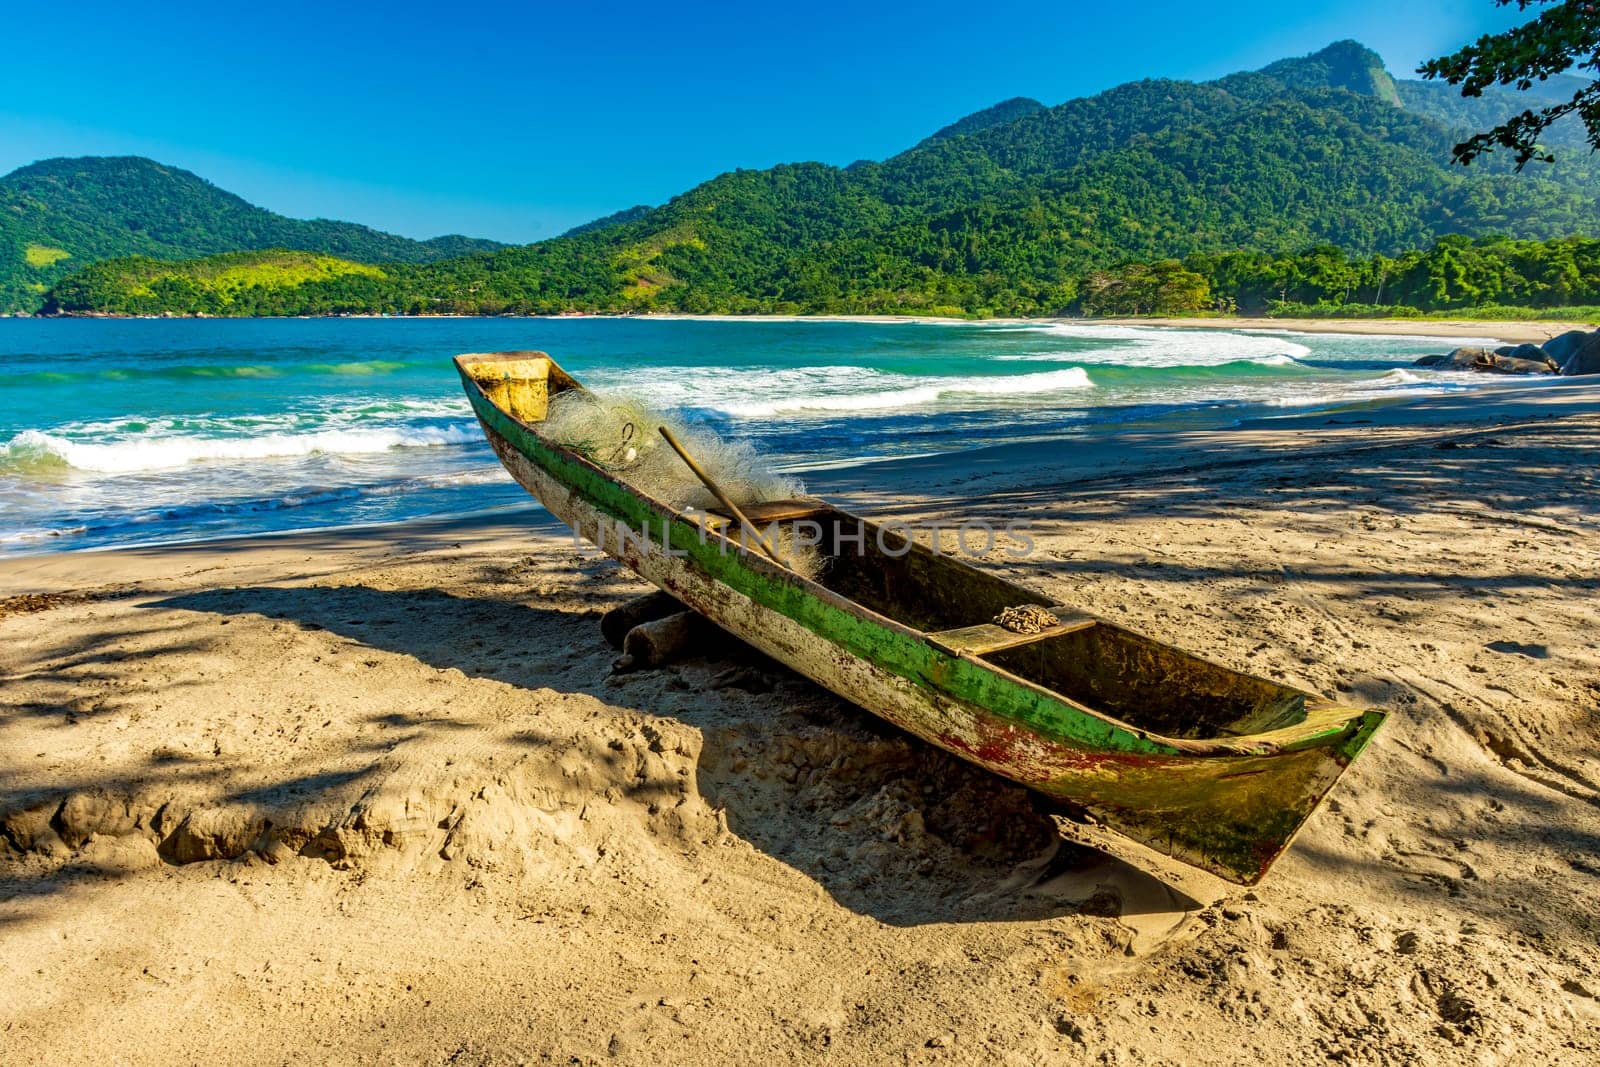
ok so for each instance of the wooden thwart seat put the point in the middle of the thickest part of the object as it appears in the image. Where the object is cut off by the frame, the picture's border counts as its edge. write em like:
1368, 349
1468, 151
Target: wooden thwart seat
777, 510
989, 637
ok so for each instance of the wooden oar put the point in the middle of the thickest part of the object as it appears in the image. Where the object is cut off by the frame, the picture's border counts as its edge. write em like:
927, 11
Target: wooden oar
723, 498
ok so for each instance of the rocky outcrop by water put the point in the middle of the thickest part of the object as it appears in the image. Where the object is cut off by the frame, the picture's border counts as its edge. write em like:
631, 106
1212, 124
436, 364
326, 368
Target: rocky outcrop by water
1572, 353
1496, 361
1584, 355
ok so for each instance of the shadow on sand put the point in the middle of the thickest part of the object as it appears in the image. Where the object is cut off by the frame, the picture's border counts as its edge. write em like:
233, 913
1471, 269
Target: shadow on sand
982, 850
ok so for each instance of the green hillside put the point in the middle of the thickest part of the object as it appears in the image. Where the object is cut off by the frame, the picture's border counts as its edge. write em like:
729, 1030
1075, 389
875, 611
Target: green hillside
996, 115
1342, 65
59, 215
1012, 215
273, 282
1485, 277
616, 218
1497, 275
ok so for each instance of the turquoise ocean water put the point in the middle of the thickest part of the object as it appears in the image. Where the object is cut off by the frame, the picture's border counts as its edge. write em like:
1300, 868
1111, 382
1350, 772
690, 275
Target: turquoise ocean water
138, 431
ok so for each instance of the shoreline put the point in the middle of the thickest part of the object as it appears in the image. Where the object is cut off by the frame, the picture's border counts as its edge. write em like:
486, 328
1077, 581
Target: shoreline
1509, 331
36, 539
1094, 454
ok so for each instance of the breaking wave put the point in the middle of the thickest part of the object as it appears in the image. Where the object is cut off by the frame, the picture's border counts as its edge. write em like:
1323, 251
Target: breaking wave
1137, 346
36, 450
756, 393
931, 392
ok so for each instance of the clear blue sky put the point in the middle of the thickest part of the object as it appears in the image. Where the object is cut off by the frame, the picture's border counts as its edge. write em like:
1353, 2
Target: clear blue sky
518, 120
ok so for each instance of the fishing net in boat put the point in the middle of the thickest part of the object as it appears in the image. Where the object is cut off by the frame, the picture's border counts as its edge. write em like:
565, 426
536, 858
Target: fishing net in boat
623, 435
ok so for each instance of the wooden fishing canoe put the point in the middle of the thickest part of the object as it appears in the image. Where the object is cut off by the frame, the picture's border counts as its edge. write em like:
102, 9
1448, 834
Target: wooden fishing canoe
1216, 768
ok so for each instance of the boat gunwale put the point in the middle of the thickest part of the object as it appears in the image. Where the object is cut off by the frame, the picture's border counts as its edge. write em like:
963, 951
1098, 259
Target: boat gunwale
1325, 724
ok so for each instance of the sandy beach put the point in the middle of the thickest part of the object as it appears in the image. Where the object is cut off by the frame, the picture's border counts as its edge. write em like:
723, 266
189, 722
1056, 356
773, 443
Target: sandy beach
373, 794
1513, 331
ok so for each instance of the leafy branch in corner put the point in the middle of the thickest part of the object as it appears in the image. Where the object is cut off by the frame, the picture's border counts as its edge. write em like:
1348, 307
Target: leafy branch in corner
1564, 36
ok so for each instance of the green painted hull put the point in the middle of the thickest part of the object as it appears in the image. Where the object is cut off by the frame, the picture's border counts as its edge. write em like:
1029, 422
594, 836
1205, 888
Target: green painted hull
1224, 800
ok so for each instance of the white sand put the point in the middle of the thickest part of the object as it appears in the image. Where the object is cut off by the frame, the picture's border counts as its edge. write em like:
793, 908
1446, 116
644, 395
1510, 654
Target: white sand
1513, 331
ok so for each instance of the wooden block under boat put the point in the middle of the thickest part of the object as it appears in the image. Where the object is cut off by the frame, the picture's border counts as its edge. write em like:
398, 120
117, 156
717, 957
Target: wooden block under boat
989, 637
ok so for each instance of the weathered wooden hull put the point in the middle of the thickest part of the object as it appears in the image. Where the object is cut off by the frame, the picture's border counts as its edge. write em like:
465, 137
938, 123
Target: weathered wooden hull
1229, 807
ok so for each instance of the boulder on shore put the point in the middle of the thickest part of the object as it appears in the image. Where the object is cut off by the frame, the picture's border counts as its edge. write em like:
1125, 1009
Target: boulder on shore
1470, 359
1560, 348
1523, 351
1585, 359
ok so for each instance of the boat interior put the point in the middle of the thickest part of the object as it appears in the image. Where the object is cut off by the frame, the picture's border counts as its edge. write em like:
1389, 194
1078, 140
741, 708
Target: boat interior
1093, 663
1090, 662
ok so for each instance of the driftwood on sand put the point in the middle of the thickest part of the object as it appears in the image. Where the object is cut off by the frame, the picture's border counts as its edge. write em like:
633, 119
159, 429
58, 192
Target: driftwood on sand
615, 624
661, 641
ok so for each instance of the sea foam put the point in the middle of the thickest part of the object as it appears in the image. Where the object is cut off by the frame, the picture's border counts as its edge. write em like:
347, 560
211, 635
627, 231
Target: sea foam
1140, 346
35, 448
754, 394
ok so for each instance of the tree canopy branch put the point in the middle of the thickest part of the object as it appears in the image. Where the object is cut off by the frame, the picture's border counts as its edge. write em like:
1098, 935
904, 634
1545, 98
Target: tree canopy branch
1563, 36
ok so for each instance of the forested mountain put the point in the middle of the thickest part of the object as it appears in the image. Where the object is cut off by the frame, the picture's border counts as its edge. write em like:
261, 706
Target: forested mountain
996, 115
616, 218
58, 215
1445, 105
1010, 211
1342, 65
